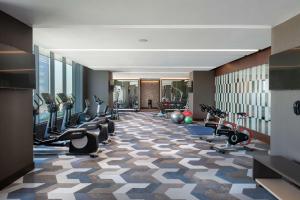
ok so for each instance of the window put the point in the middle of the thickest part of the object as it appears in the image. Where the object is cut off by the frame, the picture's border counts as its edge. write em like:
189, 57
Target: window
58, 75
69, 79
58, 84
54, 78
44, 73
43, 83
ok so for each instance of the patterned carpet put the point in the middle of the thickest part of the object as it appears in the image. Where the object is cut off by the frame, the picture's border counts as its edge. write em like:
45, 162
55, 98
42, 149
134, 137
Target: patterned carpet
150, 158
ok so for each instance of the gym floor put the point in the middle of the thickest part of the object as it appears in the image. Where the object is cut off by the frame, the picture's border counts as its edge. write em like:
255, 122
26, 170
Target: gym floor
149, 158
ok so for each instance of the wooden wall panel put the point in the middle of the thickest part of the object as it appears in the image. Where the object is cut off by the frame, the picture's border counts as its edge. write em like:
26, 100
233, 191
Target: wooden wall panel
258, 58
255, 59
203, 92
16, 152
150, 90
15, 33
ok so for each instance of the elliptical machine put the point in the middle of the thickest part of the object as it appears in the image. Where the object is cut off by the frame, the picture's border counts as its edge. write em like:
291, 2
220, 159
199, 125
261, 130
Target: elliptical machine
85, 116
104, 116
68, 104
99, 103
108, 113
79, 140
114, 112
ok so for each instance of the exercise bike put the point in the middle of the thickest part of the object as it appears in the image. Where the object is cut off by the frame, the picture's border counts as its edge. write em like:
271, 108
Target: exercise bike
79, 140
213, 112
238, 137
219, 124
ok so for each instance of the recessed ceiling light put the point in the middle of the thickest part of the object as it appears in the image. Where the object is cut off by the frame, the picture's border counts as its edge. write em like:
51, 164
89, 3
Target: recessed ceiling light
143, 40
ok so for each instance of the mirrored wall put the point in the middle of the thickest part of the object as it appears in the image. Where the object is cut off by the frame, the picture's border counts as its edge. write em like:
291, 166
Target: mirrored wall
174, 90
247, 91
127, 94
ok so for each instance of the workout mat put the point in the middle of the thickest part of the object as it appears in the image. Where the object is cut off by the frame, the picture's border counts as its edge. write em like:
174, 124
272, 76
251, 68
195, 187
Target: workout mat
196, 129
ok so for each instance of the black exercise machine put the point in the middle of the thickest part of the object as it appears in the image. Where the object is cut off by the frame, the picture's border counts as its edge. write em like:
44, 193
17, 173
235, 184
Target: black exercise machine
79, 140
68, 104
238, 138
37, 103
108, 113
85, 116
232, 134
105, 115
213, 112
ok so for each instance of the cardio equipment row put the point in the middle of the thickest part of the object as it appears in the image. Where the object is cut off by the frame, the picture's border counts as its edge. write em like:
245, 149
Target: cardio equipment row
81, 136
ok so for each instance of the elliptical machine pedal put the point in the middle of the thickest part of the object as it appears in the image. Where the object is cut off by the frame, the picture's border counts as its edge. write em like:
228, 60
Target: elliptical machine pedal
104, 139
95, 154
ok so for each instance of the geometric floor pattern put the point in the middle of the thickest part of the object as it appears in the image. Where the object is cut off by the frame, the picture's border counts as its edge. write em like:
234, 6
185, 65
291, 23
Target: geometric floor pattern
149, 158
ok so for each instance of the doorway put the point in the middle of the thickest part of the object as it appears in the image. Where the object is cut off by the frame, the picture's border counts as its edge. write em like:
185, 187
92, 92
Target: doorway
150, 94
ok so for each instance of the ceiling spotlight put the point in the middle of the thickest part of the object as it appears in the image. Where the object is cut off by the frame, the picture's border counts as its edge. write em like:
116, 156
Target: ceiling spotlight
143, 40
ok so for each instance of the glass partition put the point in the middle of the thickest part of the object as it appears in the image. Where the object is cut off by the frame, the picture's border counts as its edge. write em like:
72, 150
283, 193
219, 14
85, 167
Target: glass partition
127, 94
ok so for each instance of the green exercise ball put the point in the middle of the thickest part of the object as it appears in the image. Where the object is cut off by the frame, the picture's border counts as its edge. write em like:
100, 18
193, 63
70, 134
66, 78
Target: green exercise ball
188, 120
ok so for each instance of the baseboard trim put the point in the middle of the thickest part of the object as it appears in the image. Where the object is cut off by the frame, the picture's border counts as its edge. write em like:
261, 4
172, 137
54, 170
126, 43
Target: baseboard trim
12, 178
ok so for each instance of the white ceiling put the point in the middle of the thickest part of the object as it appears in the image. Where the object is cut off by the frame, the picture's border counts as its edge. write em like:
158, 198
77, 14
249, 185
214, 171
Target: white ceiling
104, 34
